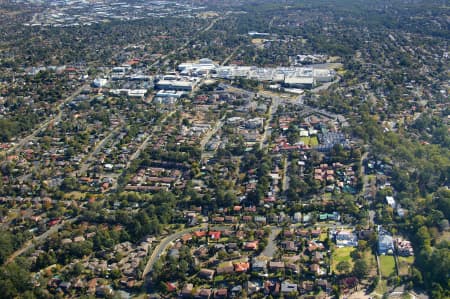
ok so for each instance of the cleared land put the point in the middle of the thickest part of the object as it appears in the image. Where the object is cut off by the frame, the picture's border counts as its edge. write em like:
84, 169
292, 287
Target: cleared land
371, 262
310, 141
387, 265
340, 255
404, 263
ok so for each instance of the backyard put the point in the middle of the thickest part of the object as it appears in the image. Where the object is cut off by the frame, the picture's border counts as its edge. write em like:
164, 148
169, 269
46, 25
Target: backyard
387, 265
310, 141
371, 262
341, 255
404, 263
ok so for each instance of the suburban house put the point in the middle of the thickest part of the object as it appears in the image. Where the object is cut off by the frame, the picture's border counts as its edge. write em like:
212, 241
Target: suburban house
385, 244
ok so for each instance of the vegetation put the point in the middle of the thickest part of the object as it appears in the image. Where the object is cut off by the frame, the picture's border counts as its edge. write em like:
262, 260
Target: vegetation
342, 261
103, 168
387, 265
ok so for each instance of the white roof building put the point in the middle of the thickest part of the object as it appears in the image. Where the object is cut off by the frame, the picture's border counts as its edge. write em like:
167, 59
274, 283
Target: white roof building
390, 200
137, 93
100, 82
170, 94
205, 65
299, 81
176, 85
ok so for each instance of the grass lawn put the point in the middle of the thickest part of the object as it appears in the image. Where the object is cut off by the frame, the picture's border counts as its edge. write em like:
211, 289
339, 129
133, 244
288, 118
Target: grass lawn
74, 194
341, 254
444, 237
404, 263
323, 237
371, 262
326, 196
387, 265
224, 264
371, 177
310, 141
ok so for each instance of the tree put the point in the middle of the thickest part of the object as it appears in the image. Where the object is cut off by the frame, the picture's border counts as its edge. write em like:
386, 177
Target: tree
115, 273
442, 200
15, 279
423, 237
8, 289
6, 245
360, 268
69, 184
416, 276
343, 267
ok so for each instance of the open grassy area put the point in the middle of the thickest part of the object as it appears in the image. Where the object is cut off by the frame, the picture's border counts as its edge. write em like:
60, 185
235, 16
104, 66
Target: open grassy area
257, 41
326, 196
323, 237
404, 264
371, 177
341, 254
310, 141
445, 236
74, 195
371, 262
387, 265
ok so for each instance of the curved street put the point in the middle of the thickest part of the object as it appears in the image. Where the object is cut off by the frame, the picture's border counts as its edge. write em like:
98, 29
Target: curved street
269, 251
164, 244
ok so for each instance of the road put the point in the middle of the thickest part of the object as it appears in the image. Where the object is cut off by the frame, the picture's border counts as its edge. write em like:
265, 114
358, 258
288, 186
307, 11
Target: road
144, 144
34, 18
209, 134
43, 125
31, 243
230, 56
163, 245
362, 174
88, 160
269, 251
138, 151
325, 86
271, 247
272, 110
183, 46
308, 110
285, 181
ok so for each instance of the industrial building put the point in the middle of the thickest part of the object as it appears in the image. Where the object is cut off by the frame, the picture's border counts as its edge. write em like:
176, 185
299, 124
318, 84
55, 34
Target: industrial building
184, 85
203, 67
300, 82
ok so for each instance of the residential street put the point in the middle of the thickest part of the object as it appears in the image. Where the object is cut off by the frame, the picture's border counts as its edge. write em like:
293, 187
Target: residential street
51, 119
164, 244
271, 247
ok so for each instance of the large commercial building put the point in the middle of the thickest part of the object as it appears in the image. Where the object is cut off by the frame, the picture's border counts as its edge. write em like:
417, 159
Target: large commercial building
204, 66
184, 85
294, 77
300, 82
